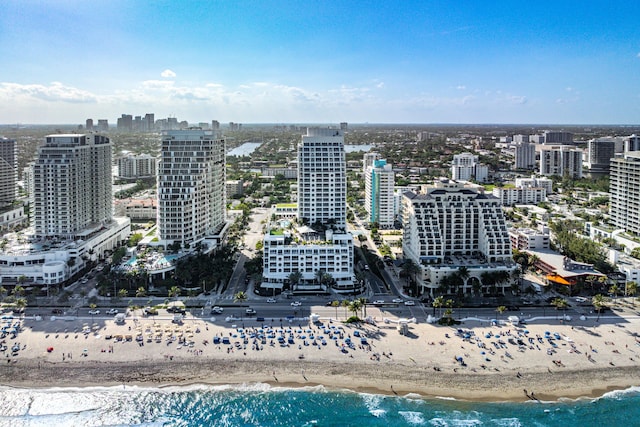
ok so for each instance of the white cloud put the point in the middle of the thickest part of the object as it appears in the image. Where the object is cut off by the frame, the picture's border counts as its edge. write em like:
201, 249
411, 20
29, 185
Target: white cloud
168, 74
55, 92
638, 55
461, 87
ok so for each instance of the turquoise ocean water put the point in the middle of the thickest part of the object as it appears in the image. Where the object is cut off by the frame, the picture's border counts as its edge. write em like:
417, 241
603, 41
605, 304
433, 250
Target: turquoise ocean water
262, 405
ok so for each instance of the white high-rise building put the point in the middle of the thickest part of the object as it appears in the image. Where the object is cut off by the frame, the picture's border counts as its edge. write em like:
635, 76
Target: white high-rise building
191, 186
72, 190
140, 166
624, 189
561, 160
317, 247
453, 226
322, 178
8, 171
525, 156
379, 193
466, 166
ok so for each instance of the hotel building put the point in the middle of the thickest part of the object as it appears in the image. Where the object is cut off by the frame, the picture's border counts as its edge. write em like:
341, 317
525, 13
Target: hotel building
451, 226
624, 189
379, 193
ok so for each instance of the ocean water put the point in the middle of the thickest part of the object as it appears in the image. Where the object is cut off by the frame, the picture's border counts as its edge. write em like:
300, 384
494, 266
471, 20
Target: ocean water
262, 405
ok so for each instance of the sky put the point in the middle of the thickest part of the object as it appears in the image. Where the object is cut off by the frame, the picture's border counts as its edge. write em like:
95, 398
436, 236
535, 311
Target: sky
321, 61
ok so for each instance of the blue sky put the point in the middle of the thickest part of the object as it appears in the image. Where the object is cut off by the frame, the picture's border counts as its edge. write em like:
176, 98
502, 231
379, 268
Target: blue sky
555, 62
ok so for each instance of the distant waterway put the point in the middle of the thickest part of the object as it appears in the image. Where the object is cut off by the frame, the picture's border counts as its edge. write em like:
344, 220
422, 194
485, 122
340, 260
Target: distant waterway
354, 148
249, 147
245, 149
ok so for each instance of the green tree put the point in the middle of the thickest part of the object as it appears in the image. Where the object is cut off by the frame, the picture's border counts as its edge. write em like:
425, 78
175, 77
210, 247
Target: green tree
613, 291
438, 303
174, 292
123, 293
559, 304
294, 279
632, 290
501, 309
240, 297
141, 292
345, 304
354, 307
335, 304
598, 301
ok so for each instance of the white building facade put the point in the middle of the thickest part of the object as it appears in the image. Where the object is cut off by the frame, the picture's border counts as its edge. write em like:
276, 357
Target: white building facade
318, 245
72, 189
561, 160
624, 189
379, 193
140, 166
450, 227
191, 186
466, 167
8, 171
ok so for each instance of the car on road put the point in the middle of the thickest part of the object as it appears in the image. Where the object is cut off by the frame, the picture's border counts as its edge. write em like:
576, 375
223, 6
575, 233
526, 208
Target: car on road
250, 311
271, 300
84, 281
378, 302
92, 312
581, 299
112, 311
217, 310
397, 300
57, 311
409, 302
296, 304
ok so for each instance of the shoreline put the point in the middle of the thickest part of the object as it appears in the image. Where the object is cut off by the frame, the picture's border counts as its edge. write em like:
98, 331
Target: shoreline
571, 385
482, 364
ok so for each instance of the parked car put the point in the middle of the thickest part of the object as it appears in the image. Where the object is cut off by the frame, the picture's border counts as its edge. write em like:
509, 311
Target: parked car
296, 304
93, 312
112, 311
397, 300
378, 302
409, 302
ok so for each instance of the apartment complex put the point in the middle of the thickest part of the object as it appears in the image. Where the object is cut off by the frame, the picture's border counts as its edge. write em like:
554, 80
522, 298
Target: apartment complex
466, 167
379, 193
315, 245
599, 154
137, 166
72, 185
191, 186
322, 178
8, 171
561, 160
624, 189
451, 226
524, 155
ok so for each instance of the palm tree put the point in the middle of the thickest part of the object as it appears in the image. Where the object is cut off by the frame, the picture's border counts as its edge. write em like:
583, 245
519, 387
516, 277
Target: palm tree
92, 307
598, 301
438, 303
345, 304
335, 304
501, 309
410, 269
21, 304
123, 293
174, 291
294, 278
141, 292
463, 274
613, 290
354, 307
3, 292
363, 304
18, 291
632, 290
240, 297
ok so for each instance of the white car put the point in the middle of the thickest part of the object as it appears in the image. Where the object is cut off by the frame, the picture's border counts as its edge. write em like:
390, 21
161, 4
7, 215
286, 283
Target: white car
378, 302
216, 310
581, 299
250, 311
112, 311
397, 300
296, 304
271, 300
409, 303
94, 312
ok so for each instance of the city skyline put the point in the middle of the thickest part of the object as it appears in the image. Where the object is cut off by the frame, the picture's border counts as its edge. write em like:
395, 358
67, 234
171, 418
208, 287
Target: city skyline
326, 62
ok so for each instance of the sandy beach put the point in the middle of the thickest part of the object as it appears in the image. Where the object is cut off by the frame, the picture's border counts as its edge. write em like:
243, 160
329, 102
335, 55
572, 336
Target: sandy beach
472, 361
